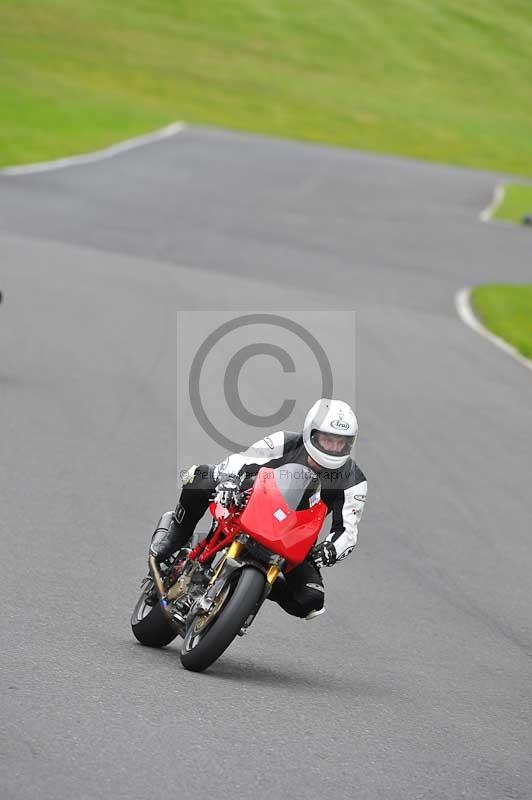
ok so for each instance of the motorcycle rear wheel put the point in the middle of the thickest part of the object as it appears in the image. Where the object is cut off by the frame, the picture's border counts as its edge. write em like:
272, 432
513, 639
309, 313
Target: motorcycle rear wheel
149, 624
203, 645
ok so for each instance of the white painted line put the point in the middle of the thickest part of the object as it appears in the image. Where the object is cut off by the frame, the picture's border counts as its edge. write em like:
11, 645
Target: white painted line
496, 201
97, 155
462, 303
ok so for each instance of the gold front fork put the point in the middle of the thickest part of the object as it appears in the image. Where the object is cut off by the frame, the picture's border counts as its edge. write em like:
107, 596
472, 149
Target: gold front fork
235, 548
234, 551
271, 575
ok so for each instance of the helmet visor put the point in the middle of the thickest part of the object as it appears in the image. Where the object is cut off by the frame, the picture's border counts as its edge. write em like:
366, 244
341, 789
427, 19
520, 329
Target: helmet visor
332, 444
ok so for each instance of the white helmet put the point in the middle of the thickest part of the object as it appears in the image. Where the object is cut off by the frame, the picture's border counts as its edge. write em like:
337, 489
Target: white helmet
337, 419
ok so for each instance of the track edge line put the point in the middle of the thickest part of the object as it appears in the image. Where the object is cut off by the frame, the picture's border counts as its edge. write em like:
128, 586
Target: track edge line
97, 155
465, 311
498, 196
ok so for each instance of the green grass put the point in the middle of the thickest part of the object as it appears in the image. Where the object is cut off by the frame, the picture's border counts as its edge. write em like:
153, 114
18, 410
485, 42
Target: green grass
446, 80
517, 202
506, 310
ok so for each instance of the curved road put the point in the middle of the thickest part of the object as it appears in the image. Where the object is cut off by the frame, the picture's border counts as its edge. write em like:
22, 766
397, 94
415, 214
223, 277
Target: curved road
417, 681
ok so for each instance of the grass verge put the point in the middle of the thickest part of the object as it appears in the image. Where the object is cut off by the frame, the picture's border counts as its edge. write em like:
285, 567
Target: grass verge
517, 203
447, 81
506, 310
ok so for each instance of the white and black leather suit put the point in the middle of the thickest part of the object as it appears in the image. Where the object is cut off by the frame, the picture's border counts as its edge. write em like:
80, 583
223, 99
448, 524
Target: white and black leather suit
343, 491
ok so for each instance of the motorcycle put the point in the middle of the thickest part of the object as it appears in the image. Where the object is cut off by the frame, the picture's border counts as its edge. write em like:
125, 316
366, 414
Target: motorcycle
211, 593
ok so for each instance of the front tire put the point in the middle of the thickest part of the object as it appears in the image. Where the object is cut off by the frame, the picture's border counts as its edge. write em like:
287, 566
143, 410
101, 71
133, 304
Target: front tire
201, 649
148, 622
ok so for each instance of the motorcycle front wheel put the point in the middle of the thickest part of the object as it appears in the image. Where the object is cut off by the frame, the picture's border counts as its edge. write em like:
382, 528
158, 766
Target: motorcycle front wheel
148, 622
206, 640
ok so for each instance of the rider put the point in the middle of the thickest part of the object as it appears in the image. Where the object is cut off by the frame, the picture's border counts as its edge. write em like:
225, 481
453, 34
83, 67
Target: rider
325, 446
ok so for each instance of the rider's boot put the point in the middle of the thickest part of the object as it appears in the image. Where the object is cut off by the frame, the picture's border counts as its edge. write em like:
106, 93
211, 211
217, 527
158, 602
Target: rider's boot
168, 537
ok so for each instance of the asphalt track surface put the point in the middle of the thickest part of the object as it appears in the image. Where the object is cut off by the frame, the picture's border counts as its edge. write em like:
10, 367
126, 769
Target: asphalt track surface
417, 681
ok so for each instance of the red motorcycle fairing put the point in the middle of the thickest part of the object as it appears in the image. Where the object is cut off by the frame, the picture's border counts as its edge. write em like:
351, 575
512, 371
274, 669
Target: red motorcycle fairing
276, 526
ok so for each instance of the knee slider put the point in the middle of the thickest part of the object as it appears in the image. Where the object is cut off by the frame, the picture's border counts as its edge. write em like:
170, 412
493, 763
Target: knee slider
196, 474
188, 475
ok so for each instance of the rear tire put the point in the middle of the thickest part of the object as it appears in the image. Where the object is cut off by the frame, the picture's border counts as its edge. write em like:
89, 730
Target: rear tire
200, 650
149, 624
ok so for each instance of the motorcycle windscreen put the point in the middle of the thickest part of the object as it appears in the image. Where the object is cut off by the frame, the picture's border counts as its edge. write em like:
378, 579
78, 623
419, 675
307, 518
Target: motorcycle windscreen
285, 511
299, 486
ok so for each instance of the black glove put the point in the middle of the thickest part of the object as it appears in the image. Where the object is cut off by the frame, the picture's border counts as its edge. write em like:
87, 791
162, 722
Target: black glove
323, 554
227, 493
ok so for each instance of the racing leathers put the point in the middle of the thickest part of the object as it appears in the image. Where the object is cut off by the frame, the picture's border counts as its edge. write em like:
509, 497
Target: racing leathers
343, 491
